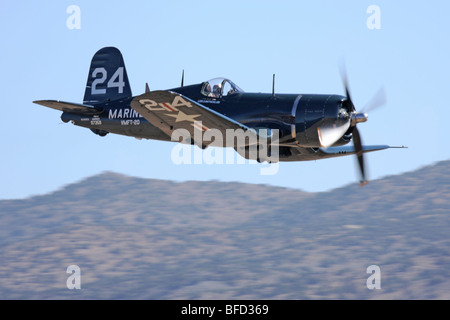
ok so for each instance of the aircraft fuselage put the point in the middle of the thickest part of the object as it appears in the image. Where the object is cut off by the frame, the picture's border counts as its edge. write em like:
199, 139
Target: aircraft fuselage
296, 116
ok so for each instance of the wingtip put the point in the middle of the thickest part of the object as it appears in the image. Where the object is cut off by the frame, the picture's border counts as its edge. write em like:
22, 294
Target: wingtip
40, 102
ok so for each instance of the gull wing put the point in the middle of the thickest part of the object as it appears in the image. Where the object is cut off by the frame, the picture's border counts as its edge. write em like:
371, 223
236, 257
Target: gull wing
170, 111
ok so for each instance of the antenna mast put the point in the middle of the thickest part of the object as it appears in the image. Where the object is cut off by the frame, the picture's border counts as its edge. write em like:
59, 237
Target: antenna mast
182, 79
273, 86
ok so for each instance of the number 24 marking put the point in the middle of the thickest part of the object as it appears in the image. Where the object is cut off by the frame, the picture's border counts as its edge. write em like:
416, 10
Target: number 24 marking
116, 80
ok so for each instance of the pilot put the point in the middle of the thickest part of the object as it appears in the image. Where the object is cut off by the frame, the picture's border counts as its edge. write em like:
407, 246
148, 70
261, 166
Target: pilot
216, 90
207, 91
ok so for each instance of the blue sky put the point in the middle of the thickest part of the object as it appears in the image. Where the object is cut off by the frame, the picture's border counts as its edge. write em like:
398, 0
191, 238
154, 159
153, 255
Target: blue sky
301, 42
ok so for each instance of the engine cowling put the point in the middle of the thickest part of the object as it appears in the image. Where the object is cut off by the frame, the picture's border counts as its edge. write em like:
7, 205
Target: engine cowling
322, 121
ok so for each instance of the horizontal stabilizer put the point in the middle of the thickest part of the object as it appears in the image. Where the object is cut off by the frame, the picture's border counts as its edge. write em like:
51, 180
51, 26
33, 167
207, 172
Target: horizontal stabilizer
70, 107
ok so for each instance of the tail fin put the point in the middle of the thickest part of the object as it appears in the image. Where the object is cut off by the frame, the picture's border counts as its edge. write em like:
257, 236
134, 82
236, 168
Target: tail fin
107, 78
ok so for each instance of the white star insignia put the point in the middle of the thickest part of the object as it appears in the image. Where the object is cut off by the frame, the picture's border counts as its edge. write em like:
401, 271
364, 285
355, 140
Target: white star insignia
181, 116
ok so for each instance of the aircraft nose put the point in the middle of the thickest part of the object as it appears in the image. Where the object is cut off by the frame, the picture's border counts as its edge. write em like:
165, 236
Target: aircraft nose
321, 120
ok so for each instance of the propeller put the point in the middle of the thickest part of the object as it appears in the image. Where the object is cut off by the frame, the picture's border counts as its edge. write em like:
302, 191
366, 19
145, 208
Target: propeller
377, 100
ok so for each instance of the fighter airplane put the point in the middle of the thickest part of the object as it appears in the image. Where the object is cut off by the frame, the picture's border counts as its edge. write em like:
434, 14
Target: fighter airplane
307, 126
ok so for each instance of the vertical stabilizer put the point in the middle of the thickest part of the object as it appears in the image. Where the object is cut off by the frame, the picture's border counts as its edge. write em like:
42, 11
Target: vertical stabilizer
107, 78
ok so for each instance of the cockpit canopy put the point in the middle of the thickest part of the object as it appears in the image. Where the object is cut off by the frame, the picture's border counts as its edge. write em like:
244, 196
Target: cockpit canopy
219, 87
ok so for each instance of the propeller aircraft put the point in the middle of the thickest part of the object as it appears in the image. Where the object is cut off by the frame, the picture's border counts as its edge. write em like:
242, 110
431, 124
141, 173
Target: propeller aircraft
302, 127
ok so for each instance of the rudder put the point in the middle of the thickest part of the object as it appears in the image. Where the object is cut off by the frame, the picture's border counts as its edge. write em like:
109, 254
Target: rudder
107, 78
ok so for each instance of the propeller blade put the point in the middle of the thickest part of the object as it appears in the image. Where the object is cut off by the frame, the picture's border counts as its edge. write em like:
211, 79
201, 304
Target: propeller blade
346, 85
378, 100
360, 155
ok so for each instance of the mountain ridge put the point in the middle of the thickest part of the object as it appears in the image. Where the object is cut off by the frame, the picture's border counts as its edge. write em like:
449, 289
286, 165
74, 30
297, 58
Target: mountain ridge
108, 173
137, 238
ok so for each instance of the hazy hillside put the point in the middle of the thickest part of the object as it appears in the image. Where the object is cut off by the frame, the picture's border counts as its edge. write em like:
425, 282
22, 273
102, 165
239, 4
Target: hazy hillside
151, 239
